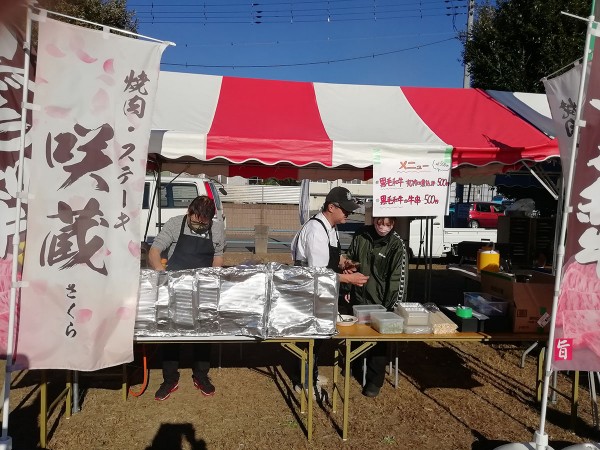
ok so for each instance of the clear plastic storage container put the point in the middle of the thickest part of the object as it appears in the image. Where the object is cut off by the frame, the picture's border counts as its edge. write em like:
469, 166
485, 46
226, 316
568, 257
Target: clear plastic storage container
417, 329
363, 312
387, 322
413, 313
486, 304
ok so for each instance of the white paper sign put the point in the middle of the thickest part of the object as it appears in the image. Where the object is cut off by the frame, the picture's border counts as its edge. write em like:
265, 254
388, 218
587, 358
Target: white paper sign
411, 186
544, 320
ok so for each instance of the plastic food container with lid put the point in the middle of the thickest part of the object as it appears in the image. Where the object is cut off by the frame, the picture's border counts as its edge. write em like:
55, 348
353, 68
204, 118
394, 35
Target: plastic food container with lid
413, 313
387, 322
363, 312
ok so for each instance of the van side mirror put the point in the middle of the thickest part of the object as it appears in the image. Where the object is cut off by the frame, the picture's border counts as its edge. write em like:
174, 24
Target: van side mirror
222, 191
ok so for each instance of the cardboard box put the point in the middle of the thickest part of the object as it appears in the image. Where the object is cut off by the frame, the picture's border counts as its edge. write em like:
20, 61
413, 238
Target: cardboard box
530, 293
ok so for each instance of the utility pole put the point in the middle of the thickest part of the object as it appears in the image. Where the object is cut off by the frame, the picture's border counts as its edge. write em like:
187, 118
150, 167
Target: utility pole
470, 13
459, 191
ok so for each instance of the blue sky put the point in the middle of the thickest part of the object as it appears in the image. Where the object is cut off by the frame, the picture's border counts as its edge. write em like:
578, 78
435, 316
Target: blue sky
413, 41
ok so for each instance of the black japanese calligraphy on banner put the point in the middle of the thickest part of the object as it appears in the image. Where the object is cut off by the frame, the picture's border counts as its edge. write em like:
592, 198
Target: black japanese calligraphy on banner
562, 92
93, 129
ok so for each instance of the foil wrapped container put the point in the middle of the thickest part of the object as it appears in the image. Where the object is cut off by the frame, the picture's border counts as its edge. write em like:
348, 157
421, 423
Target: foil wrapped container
272, 300
303, 301
145, 320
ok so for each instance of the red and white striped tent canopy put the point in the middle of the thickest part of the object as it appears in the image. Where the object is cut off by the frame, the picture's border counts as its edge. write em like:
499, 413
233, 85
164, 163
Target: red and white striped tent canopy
266, 128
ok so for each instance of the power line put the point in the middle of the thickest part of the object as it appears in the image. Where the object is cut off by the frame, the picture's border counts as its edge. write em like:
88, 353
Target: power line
330, 11
329, 40
343, 9
277, 14
327, 19
288, 3
311, 63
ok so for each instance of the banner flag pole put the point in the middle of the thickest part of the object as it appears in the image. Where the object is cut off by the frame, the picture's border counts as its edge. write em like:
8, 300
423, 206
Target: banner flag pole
540, 436
5, 440
107, 28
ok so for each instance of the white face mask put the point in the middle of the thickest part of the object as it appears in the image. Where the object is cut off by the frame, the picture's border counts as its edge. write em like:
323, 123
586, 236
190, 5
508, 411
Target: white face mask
383, 230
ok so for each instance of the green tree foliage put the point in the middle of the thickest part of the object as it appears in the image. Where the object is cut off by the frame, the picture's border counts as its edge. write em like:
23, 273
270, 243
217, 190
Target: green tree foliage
112, 13
515, 43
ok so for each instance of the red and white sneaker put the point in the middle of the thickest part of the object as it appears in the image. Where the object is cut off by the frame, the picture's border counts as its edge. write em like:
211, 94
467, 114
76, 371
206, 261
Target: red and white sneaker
204, 386
164, 391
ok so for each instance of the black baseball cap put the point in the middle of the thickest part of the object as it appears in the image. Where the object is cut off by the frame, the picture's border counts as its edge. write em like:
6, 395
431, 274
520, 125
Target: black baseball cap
342, 198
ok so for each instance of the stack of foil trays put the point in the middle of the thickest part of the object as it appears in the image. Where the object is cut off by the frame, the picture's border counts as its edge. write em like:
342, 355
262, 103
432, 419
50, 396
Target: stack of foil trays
272, 300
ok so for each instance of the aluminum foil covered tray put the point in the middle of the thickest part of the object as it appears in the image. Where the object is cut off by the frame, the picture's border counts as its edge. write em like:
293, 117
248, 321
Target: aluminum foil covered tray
272, 300
303, 301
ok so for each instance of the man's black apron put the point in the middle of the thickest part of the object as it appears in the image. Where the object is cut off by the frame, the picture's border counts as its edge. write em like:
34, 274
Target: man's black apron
334, 252
191, 252
334, 264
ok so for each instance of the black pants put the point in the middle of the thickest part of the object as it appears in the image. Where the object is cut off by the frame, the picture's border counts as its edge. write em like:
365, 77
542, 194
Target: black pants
170, 361
376, 362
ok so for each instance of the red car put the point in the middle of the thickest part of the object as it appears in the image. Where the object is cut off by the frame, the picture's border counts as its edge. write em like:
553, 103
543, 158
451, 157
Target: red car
484, 214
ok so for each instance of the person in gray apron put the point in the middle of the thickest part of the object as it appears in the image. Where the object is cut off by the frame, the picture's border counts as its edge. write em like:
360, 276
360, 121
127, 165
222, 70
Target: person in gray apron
192, 241
317, 244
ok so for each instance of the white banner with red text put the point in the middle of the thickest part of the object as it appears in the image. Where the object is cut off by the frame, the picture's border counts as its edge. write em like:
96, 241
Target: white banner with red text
91, 127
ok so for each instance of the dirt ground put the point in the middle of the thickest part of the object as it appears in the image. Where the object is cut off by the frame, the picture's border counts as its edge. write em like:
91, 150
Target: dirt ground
450, 396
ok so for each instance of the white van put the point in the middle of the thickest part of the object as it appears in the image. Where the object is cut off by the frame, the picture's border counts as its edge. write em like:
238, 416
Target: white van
418, 229
176, 193
445, 239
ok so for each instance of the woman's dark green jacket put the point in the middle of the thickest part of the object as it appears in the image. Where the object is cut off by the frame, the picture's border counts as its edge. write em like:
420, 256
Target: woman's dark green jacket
385, 261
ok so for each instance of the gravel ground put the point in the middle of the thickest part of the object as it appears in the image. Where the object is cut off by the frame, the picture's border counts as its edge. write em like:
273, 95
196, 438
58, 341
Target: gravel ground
450, 396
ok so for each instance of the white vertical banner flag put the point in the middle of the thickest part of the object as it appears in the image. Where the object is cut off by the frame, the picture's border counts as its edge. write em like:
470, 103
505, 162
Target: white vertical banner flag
304, 204
90, 139
562, 92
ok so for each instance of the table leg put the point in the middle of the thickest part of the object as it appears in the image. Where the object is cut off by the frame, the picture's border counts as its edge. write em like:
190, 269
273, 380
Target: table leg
574, 398
346, 389
304, 357
553, 396
43, 410
396, 365
336, 373
349, 357
593, 398
124, 387
540, 375
305, 354
311, 362
69, 399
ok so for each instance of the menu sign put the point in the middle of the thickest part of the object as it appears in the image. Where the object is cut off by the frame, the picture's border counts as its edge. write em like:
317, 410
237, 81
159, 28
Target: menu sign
411, 186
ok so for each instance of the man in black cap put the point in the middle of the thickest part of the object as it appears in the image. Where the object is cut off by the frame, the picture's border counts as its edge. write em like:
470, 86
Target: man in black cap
317, 244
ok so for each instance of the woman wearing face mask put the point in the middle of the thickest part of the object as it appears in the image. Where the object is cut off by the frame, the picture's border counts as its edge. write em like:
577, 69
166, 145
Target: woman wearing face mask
382, 256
